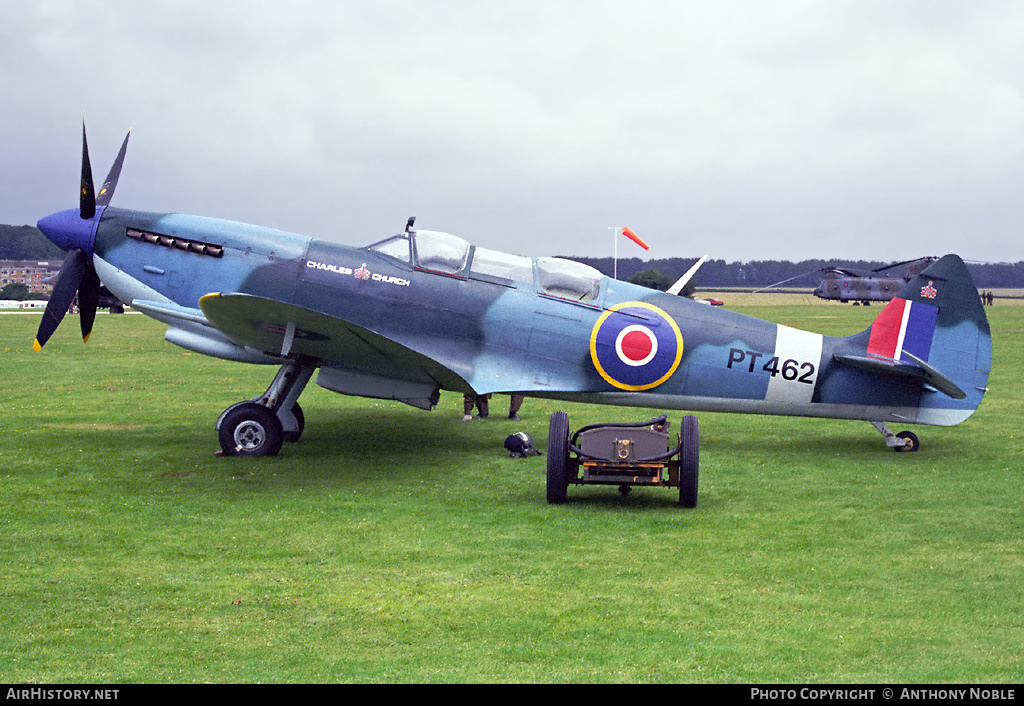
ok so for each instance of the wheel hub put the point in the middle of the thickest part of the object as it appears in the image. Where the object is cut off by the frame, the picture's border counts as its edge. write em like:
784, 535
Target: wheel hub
250, 435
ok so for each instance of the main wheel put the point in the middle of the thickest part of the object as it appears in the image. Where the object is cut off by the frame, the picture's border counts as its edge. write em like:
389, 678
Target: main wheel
689, 461
250, 429
911, 443
558, 458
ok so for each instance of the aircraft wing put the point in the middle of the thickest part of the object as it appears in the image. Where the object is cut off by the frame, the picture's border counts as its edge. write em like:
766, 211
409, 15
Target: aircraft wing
291, 331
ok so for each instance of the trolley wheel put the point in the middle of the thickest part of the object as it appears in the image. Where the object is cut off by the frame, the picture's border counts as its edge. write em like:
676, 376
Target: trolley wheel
689, 461
558, 458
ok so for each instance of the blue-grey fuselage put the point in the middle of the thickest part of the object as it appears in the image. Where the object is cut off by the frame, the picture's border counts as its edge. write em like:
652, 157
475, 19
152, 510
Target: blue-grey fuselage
425, 311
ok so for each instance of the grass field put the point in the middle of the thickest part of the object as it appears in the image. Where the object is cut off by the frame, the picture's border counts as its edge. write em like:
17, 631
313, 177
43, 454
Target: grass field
396, 545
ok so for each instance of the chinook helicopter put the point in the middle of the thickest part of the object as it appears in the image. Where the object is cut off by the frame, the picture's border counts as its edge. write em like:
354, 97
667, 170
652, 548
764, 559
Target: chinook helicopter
845, 285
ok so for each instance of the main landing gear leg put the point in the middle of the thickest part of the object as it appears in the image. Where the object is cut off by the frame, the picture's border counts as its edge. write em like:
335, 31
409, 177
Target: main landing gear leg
904, 441
259, 426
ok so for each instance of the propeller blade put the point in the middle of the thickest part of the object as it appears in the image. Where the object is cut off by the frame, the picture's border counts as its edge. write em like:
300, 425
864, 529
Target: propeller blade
88, 300
64, 289
87, 198
107, 191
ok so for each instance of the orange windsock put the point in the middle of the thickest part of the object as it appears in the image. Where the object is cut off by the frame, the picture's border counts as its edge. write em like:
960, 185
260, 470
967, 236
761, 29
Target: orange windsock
633, 236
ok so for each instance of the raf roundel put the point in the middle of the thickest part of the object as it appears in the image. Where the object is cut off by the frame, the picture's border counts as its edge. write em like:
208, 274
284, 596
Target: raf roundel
636, 346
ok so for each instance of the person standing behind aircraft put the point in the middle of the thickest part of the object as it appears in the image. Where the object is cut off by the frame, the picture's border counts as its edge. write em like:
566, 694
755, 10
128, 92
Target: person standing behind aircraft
470, 401
514, 403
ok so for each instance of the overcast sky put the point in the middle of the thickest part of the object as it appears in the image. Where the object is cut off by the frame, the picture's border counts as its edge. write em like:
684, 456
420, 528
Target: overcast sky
867, 129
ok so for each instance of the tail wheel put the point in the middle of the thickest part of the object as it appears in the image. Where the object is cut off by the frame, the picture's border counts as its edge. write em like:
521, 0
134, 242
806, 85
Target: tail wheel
558, 458
910, 442
689, 461
250, 429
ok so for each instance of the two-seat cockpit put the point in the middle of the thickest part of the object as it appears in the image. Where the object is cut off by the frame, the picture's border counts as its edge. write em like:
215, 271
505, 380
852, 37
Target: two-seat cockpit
449, 254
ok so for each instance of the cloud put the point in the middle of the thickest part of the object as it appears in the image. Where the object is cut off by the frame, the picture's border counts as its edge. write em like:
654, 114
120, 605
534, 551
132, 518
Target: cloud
784, 130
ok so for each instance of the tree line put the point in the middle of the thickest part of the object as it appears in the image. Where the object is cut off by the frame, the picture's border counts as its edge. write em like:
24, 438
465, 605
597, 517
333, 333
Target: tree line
26, 243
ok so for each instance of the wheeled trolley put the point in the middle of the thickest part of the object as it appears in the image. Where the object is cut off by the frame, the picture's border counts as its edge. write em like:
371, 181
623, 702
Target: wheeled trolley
624, 455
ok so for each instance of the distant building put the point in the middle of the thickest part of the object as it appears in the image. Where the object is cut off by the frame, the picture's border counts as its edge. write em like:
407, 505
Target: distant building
37, 275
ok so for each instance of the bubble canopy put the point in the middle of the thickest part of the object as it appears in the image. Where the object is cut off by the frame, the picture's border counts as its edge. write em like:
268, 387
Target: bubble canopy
450, 254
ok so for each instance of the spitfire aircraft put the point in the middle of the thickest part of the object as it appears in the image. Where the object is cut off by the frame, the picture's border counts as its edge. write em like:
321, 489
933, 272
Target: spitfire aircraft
425, 311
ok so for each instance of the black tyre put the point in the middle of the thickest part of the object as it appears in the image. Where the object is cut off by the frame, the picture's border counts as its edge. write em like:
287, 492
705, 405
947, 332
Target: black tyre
250, 429
689, 461
558, 458
293, 436
911, 443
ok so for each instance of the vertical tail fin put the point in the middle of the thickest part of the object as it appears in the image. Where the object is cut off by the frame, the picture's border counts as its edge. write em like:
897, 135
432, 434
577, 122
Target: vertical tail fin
937, 323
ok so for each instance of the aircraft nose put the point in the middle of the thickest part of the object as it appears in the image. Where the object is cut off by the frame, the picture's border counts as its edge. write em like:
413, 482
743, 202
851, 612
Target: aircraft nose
67, 230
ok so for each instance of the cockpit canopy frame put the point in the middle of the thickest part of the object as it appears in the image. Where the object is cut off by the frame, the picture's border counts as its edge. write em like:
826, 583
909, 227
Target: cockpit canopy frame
449, 254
